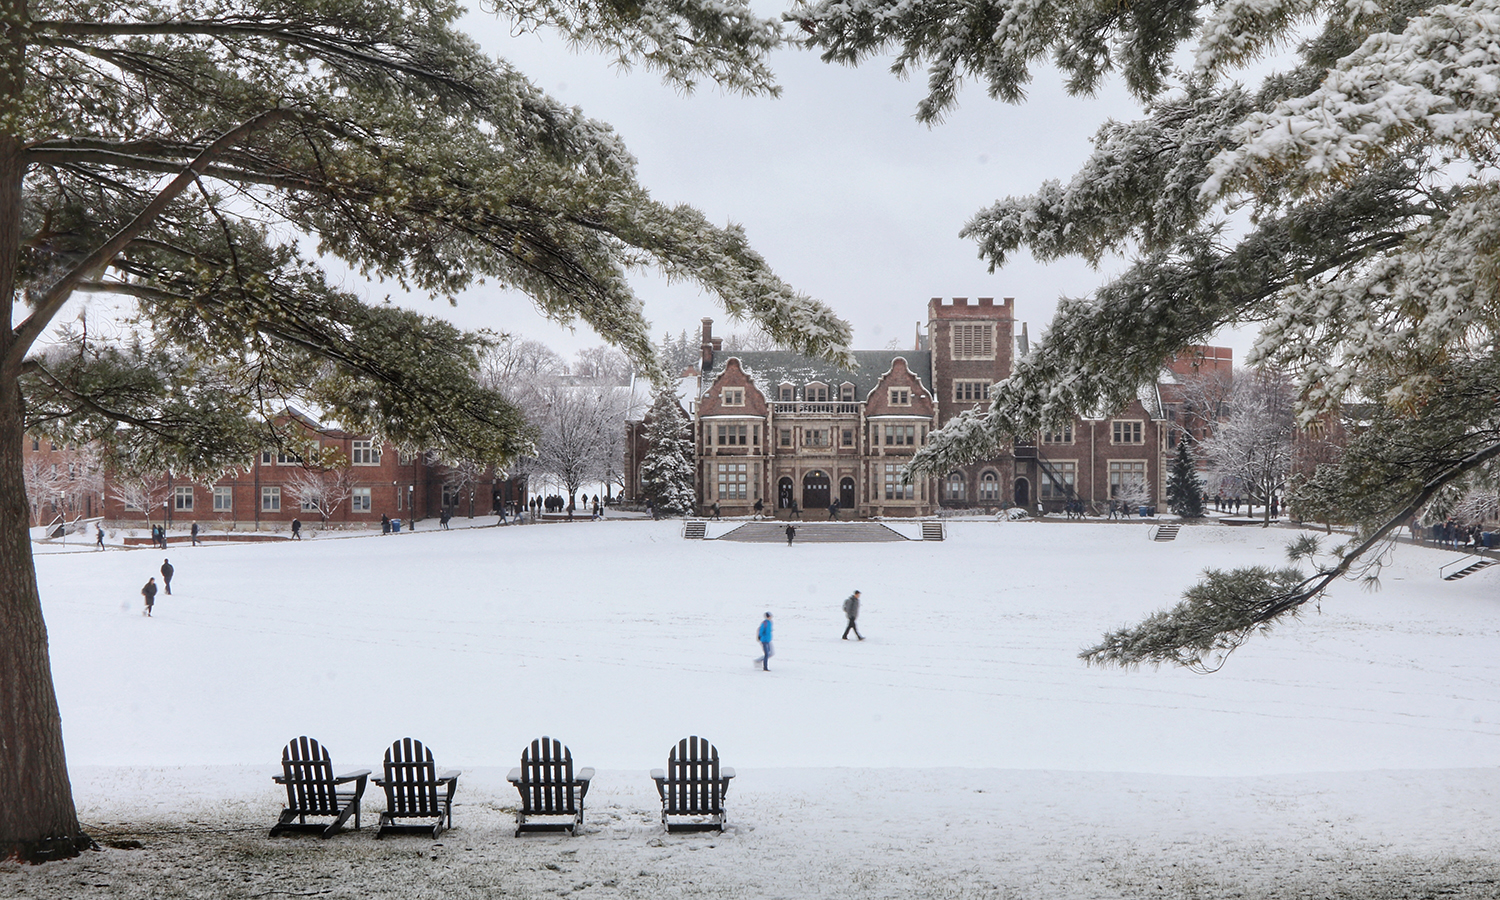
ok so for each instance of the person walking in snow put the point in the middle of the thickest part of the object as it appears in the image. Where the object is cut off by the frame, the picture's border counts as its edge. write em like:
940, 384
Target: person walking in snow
148, 593
296, 529
851, 612
763, 634
166, 575
760, 508
195, 531
99, 536
791, 532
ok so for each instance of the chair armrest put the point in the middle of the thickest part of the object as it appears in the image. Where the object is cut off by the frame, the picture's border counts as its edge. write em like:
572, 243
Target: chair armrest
362, 773
279, 779
515, 775
658, 775
584, 775
450, 775
726, 772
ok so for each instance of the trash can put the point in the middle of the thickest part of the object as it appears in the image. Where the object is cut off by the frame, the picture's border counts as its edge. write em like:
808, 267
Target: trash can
395, 526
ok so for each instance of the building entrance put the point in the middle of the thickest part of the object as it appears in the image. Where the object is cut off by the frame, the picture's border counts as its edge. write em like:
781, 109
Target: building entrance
815, 490
846, 493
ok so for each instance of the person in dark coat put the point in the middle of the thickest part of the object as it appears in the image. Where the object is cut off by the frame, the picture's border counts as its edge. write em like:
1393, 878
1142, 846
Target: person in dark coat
99, 536
791, 532
149, 594
763, 634
444, 518
760, 508
851, 612
195, 531
385, 523
166, 575
296, 529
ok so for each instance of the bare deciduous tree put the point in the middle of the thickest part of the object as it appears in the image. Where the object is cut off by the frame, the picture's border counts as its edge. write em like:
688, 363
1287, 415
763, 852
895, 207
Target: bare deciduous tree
1252, 447
322, 491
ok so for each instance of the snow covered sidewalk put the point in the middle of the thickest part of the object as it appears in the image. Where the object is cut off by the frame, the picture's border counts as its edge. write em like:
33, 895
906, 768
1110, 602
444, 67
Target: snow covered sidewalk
817, 833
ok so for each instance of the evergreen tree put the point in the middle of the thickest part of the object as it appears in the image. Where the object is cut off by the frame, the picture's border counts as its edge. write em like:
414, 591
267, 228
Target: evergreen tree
178, 154
667, 472
1370, 258
1184, 487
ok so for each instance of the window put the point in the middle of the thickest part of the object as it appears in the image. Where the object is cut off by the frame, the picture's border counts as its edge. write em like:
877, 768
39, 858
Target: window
894, 489
787, 393
270, 498
815, 437
309, 502
816, 393
901, 396
734, 434
846, 392
732, 481
1063, 434
36, 443
359, 501
131, 504
901, 435
971, 391
284, 458
974, 341
1060, 482
734, 396
1126, 477
989, 488
847, 437
451, 495
786, 437
223, 499
954, 487
267, 457
365, 453
182, 498
1128, 432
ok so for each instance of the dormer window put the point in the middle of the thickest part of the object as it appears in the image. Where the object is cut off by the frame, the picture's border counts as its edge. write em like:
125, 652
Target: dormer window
901, 396
816, 393
734, 396
846, 392
786, 393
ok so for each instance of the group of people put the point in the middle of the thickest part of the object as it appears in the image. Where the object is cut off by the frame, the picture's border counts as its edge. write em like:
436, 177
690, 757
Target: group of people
1448, 533
148, 592
764, 632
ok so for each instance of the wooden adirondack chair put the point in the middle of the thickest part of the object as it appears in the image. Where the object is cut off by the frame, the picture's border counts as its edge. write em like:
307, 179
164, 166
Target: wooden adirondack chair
693, 786
414, 790
549, 787
312, 790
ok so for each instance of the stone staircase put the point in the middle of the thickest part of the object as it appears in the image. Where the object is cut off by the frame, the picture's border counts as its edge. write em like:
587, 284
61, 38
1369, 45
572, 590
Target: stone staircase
812, 533
1465, 567
932, 531
695, 530
1165, 532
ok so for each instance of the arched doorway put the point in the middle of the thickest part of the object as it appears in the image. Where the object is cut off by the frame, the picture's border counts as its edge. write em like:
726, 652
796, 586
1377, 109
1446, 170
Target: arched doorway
815, 490
784, 494
846, 493
1023, 493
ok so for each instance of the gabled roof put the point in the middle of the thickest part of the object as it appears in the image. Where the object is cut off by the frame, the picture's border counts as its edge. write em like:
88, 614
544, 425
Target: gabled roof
769, 368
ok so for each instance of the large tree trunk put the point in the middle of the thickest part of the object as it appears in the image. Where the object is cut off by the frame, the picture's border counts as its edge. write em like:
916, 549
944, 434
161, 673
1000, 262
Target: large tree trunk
37, 818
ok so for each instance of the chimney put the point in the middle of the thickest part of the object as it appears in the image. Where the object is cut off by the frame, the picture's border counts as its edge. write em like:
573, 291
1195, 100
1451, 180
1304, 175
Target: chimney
708, 345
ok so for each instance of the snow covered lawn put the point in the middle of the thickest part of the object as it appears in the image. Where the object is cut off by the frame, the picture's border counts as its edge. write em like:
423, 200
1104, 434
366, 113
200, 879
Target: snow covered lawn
961, 751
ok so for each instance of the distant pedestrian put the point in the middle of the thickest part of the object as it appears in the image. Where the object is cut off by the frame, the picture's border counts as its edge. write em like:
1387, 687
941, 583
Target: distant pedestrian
385, 523
149, 594
195, 531
99, 537
760, 508
296, 529
715, 509
833, 510
796, 510
791, 532
851, 612
764, 636
444, 517
166, 575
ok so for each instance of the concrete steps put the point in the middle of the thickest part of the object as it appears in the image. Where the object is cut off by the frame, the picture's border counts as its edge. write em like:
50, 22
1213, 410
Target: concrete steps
812, 533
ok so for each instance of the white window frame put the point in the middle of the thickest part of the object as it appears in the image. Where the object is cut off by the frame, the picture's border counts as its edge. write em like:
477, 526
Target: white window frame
733, 481
971, 391
900, 396
733, 396
181, 493
364, 453
223, 499
1064, 435
955, 487
359, 500
1127, 431
894, 489
989, 486
1118, 475
1067, 472
270, 498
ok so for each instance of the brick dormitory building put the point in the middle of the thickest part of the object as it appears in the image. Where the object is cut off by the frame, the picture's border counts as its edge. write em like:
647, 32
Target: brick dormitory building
786, 429
264, 493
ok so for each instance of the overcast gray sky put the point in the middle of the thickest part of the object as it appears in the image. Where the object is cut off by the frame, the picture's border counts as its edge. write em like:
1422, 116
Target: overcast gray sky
844, 193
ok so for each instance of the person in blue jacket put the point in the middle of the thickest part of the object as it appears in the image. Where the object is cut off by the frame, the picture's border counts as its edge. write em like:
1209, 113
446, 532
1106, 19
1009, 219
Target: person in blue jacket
764, 636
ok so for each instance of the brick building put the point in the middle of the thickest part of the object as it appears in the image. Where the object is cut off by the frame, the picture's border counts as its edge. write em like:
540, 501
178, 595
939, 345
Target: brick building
786, 429
270, 489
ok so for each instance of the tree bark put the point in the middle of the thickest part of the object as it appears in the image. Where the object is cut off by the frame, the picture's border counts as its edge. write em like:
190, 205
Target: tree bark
37, 819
